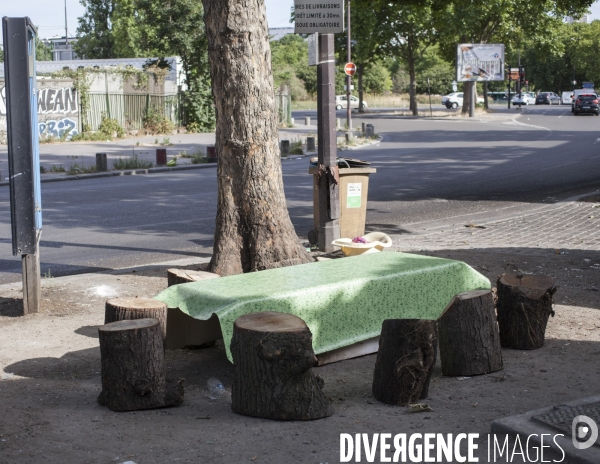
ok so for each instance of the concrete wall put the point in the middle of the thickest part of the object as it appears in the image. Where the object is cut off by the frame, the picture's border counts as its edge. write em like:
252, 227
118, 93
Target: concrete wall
58, 109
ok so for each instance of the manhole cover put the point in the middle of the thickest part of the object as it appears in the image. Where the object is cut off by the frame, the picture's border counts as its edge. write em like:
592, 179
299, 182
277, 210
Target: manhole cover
561, 417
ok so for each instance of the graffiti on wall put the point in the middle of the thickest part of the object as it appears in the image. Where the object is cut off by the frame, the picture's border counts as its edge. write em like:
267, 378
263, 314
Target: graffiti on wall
66, 128
62, 100
52, 102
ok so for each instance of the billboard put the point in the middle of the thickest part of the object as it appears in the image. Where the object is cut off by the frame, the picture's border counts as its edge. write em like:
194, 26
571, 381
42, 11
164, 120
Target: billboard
479, 62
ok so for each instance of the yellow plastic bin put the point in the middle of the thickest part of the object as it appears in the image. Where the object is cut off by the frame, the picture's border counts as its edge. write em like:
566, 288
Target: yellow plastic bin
354, 189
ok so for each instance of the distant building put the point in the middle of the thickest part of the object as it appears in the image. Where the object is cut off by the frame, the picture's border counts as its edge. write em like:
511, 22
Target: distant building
583, 19
277, 33
62, 49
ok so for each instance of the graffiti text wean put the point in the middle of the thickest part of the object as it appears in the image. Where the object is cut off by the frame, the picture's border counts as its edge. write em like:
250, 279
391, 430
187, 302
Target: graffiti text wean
62, 100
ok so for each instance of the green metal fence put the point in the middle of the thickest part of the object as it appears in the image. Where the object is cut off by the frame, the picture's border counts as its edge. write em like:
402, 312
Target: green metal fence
130, 110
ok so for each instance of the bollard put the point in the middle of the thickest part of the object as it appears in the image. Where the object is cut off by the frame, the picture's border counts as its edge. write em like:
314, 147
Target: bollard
285, 147
338, 123
364, 127
310, 144
161, 156
348, 138
292, 121
211, 154
307, 120
370, 130
101, 162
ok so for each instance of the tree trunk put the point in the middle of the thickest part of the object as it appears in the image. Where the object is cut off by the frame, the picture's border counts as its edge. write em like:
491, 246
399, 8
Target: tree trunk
524, 305
469, 337
360, 70
405, 360
272, 357
183, 276
253, 227
133, 367
413, 79
130, 308
467, 92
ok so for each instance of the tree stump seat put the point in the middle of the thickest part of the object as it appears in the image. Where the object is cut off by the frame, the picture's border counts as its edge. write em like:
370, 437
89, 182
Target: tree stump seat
131, 308
468, 335
185, 276
273, 356
524, 306
133, 367
405, 360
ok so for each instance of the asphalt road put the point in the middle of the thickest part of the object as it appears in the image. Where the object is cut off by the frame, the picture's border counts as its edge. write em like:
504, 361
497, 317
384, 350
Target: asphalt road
427, 170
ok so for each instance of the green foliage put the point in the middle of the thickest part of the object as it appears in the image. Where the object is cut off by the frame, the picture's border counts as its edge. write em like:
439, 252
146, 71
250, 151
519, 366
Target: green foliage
42, 51
95, 30
377, 79
110, 127
177, 28
296, 147
1, 56
155, 122
76, 169
439, 72
131, 162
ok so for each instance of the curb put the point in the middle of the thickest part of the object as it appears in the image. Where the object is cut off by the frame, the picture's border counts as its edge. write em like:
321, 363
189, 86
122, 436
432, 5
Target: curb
131, 172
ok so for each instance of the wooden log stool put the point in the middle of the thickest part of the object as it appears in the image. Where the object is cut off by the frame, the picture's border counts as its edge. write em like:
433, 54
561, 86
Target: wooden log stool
133, 367
183, 276
524, 305
405, 360
468, 335
131, 308
272, 356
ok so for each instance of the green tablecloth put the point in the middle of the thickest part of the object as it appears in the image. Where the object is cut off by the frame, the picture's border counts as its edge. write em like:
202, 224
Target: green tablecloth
343, 301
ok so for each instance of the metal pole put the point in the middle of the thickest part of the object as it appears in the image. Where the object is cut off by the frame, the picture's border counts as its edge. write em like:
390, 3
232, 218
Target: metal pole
329, 195
348, 78
66, 31
429, 92
509, 86
472, 102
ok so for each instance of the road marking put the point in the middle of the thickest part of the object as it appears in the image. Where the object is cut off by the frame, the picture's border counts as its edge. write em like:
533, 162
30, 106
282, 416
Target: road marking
560, 165
517, 123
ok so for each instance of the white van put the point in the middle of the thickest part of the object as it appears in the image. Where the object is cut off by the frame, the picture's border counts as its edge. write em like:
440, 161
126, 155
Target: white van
566, 98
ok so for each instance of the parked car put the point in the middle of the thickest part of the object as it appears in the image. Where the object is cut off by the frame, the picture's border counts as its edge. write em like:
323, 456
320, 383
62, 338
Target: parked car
455, 100
587, 103
341, 103
567, 98
547, 98
578, 92
524, 98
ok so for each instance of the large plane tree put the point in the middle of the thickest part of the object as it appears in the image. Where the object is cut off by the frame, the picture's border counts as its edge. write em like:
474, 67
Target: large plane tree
253, 227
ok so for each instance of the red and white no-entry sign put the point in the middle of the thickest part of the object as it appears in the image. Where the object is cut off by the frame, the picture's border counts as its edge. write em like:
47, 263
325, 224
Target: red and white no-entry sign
350, 69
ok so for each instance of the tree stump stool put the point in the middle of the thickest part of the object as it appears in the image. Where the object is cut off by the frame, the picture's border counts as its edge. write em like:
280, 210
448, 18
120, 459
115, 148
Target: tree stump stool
133, 367
524, 305
182, 276
468, 335
130, 308
272, 356
405, 360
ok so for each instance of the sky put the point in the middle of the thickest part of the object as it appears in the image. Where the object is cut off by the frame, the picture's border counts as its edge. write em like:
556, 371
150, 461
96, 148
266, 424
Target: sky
49, 15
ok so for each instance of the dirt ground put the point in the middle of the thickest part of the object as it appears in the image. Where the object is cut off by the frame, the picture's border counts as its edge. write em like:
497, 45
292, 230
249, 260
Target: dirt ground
50, 378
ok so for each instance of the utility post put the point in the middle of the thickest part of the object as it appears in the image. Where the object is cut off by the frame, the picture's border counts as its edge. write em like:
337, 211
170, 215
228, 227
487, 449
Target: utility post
23, 153
348, 76
327, 176
509, 87
329, 191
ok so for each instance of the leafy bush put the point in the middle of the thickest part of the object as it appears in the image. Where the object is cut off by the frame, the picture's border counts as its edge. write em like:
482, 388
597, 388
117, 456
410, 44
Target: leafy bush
156, 122
80, 169
131, 162
296, 148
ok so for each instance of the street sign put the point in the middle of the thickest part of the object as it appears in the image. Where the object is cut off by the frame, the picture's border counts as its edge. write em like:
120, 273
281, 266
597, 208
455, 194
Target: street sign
318, 16
350, 69
479, 62
313, 49
513, 74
